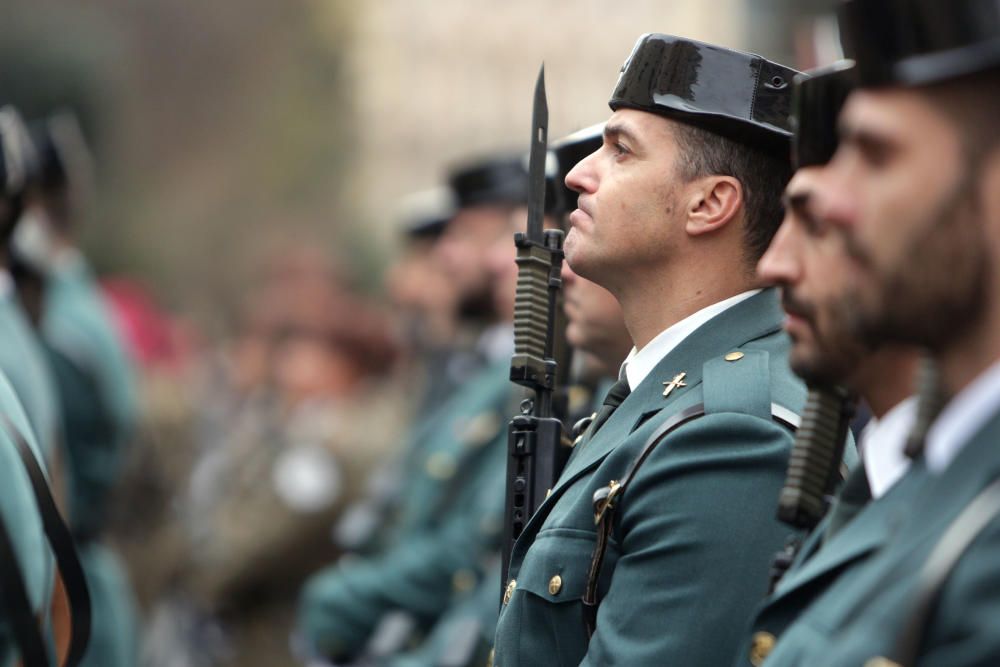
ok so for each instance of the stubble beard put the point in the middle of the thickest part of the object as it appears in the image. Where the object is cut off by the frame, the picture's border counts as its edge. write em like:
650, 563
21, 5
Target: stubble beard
939, 289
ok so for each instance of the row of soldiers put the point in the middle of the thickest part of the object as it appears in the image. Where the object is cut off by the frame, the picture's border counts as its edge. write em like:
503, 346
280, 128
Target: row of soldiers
67, 413
744, 237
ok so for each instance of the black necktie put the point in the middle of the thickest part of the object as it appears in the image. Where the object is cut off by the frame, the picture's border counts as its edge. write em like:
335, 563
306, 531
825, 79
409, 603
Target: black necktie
619, 392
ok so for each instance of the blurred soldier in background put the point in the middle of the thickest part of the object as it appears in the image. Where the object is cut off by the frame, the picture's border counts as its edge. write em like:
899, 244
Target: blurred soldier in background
595, 329
22, 358
448, 512
93, 374
26, 564
921, 227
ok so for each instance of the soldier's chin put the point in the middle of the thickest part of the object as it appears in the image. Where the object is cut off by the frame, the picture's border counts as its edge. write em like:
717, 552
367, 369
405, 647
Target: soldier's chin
814, 367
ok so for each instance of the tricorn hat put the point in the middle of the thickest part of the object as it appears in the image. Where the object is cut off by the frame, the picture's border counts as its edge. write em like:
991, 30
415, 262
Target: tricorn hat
567, 152
739, 95
819, 96
424, 214
920, 42
501, 180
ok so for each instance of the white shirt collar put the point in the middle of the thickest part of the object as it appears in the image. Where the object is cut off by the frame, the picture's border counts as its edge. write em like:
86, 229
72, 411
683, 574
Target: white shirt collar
883, 444
639, 363
496, 342
962, 418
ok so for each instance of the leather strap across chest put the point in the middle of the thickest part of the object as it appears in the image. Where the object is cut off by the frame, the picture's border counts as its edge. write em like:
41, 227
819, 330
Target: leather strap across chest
67, 561
608, 498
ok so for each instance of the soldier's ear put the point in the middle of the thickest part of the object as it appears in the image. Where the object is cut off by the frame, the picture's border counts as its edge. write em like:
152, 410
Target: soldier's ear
713, 203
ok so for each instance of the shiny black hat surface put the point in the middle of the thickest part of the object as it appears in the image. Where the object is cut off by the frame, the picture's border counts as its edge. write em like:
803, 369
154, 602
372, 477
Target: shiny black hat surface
739, 95
920, 42
424, 215
568, 151
819, 96
501, 181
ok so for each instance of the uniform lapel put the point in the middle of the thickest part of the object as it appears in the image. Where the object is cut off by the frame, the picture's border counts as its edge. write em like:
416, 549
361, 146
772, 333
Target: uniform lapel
752, 318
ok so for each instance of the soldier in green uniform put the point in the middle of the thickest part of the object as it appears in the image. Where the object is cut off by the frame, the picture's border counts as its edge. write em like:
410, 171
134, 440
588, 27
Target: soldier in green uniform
805, 260
651, 546
22, 358
449, 516
19, 514
920, 219
93, 376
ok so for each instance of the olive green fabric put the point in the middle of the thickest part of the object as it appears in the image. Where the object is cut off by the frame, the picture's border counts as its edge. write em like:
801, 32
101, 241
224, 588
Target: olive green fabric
21, 518
694, 533
23, 361
859, 617
825, 558
452, 517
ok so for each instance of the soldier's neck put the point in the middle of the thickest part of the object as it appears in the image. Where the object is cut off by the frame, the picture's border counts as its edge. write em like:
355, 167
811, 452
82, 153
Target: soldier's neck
969, 356
656, 301
886, 378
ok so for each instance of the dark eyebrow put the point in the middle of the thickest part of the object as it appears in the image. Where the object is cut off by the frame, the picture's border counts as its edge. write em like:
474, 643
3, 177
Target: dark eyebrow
614, 130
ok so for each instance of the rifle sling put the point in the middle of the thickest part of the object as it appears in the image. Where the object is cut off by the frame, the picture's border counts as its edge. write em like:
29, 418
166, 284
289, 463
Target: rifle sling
605, 514
61, 541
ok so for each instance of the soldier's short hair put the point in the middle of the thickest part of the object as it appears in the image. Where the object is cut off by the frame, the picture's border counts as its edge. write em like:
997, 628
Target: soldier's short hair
972, 104
763, 176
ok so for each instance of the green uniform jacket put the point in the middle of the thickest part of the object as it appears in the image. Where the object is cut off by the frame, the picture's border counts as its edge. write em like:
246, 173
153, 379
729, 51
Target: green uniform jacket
865, 527
861, 615
694, 534
22, 520
452, 518
26, 366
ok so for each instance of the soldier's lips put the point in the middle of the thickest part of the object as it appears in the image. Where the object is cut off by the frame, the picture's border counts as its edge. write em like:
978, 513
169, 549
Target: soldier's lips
579, 216
796, 325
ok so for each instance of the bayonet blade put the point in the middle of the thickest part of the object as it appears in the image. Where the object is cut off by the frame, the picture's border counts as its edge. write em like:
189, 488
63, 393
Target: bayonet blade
537, 159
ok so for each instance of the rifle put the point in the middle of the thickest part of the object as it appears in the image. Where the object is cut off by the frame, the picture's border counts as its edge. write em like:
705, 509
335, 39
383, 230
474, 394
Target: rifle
813, 466
535, 452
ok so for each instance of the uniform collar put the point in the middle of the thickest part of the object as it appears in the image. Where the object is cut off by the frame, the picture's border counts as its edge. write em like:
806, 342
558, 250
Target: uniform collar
883, 442
640, 363
962, 418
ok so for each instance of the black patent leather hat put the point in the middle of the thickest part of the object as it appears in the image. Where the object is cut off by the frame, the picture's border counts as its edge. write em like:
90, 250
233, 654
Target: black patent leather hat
817, 100
739, 95
502, 181
568, 151
920, 42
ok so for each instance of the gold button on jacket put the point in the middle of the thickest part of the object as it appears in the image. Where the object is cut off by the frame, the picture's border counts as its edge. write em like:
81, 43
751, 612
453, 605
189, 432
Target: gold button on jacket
510, 590
760, 647
555, 585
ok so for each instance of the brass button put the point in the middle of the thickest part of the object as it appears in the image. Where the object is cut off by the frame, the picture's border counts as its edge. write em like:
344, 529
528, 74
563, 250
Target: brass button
760, 646
510, 591
548, 492
489, 659
463, 581
555, 585
734, 356
441, 466
881, 662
